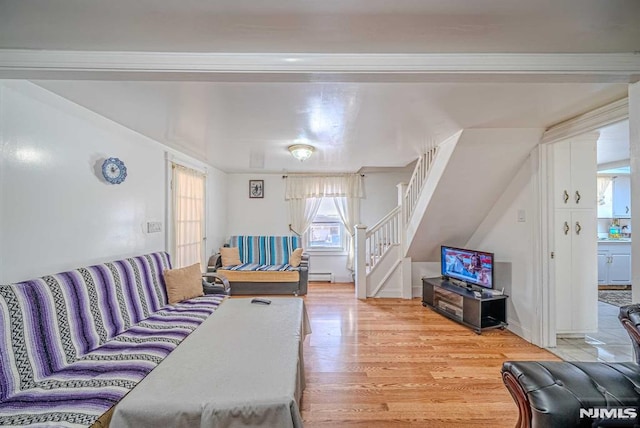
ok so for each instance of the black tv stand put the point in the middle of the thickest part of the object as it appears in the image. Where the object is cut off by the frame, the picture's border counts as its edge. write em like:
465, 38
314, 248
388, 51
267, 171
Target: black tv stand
478, 312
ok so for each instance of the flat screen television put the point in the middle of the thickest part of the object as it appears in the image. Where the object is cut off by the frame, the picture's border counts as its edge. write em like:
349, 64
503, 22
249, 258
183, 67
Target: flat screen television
471, 266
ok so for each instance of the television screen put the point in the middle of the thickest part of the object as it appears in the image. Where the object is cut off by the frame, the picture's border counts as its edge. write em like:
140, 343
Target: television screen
470, 266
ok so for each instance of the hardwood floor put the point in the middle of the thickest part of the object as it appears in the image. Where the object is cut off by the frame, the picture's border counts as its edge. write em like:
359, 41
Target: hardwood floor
392, 362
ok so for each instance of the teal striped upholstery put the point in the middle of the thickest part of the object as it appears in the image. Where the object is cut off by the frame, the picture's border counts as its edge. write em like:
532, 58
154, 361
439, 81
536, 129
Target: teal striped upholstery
265, 250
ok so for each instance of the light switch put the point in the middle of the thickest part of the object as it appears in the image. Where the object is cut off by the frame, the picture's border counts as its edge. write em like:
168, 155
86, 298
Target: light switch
521, 216
154, 226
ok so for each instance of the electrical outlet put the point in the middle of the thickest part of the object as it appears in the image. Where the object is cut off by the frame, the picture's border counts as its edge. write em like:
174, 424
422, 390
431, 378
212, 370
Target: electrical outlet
154, 227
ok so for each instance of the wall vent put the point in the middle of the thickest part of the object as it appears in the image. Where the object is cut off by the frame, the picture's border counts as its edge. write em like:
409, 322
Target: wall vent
321, 276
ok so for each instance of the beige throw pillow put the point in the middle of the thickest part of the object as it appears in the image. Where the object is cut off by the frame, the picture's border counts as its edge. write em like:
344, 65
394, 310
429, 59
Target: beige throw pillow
184, 283
230, 256
296, 257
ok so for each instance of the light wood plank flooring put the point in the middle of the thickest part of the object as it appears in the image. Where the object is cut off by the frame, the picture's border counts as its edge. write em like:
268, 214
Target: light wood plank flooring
391, 362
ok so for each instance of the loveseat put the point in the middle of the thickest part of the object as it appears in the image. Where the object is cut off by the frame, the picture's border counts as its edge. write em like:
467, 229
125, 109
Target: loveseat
81, 347
263, 265
552, 394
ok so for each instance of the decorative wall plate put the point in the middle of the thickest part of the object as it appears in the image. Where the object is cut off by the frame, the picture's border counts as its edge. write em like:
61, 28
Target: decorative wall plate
114, 171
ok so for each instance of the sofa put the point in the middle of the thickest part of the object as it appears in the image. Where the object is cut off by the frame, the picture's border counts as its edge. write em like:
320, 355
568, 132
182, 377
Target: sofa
74, 346
264, 265
552, 394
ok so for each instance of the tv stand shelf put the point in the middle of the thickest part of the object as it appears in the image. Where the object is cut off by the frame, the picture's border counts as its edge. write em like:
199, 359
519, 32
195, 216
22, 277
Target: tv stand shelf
462, 305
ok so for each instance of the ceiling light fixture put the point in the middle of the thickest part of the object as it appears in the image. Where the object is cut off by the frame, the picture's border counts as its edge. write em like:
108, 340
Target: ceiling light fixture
301, 151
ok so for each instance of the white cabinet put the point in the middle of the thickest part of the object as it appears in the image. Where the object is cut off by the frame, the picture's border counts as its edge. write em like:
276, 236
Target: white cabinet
603, 266
574, 182
575, 234
622, 196
614, 263
575, 271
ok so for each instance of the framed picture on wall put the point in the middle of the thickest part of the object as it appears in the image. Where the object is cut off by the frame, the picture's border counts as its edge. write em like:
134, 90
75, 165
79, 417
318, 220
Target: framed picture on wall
256, 188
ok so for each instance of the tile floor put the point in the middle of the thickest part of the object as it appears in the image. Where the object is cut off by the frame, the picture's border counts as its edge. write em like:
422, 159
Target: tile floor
611, 343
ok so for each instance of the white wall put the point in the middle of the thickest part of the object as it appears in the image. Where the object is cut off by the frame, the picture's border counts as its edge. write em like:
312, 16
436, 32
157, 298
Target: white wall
217, 188
381, 195
257, 216
56, 211
269, 215
421, 270
512, 242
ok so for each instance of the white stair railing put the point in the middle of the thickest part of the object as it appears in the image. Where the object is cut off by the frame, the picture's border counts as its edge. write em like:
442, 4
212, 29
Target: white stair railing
372, 244
382, 236
417, 181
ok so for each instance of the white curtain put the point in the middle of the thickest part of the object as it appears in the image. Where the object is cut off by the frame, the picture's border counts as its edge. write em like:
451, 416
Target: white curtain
188, 195
305, 192
302, 211
324, 186
603, 183
349, 209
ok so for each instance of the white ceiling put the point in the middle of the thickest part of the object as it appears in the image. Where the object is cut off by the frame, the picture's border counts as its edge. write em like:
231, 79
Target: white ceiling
380, 26
613, 144
243, 121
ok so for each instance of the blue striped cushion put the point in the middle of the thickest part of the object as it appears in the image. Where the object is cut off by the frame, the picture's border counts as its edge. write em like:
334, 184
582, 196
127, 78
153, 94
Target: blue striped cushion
265, 250
258, 267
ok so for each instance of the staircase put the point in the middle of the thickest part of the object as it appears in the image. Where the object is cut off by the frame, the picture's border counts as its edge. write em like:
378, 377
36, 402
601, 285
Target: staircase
450, 199
380, 250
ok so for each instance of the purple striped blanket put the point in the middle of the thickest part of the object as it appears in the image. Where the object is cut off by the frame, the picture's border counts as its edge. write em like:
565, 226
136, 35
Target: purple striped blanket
73, 344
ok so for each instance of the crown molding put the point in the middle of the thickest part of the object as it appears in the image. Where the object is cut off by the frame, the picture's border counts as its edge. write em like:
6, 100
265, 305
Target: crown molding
621, 65
588, 122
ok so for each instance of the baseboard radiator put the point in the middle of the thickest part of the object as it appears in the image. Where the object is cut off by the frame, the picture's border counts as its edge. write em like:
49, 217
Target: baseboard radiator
321, 276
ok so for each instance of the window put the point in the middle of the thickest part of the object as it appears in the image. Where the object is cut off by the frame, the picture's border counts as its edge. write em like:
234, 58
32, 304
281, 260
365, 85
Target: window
188, 216
605, 197
327, 230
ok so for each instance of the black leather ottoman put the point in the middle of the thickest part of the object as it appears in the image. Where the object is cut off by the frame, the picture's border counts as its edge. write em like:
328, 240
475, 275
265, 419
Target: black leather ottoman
550, 394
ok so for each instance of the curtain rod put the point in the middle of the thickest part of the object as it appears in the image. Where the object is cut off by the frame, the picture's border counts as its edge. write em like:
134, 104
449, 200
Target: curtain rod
321, 175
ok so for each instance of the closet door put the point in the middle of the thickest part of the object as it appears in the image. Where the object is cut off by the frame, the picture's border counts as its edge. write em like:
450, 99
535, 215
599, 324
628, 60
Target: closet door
562, 189
574, 172
576, 273
563, 271
575, 234
584, 274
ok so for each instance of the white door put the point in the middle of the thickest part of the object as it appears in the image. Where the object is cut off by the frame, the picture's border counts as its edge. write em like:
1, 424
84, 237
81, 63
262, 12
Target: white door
563, 271
562, 175
583, 174
575, 235
584, 249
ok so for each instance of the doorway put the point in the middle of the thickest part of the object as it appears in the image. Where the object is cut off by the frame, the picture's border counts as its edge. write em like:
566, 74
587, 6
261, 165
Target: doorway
590, 122
614, 213
604, 339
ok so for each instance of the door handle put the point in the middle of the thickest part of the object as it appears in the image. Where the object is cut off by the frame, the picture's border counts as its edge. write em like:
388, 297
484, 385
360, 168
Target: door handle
578, 228
627, 210
577, 197
566, 228
566, 196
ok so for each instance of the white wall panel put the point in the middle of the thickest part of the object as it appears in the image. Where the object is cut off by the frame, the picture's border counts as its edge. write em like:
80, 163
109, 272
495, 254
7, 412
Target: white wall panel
56, 211
502, 233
